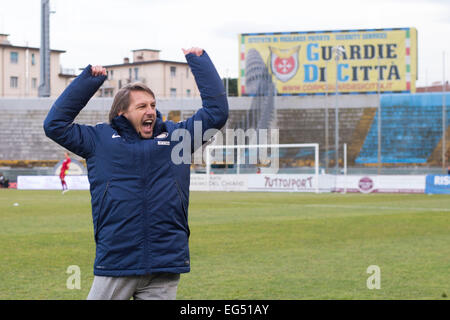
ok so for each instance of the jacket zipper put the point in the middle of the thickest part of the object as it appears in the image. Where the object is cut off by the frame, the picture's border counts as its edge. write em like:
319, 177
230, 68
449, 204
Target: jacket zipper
182, 206
147, 245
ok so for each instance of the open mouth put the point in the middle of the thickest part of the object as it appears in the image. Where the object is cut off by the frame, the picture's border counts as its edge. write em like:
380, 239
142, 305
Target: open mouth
147, 125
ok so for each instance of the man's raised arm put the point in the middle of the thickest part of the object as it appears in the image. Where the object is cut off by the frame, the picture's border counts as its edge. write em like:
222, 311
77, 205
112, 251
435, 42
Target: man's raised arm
214, 113
59, 125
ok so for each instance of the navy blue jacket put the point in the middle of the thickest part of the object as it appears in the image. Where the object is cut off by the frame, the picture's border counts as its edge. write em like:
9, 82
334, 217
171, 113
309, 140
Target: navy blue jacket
139, 197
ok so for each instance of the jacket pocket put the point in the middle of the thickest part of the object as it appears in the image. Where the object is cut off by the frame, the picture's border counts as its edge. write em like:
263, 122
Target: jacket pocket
102, 203
180, 196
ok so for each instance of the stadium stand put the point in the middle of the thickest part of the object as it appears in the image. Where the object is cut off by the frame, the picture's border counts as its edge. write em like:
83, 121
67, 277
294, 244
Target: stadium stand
308, 125
22, 134
411, 126
435, 158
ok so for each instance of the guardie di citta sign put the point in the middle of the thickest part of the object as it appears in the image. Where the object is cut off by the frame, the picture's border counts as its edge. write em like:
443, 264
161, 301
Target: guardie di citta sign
308, 62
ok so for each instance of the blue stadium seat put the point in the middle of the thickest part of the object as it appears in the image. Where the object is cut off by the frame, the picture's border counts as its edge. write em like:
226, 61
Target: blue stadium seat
411, 127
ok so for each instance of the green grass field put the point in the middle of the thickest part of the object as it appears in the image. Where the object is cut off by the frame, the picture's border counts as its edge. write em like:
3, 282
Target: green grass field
246, 245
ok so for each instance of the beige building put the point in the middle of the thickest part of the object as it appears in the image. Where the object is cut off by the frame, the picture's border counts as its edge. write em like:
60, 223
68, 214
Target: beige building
20, 69
167, 79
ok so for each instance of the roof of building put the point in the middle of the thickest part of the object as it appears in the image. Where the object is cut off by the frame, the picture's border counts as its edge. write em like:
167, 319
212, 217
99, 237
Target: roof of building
154, 50
27, 47
67, 75
144, 62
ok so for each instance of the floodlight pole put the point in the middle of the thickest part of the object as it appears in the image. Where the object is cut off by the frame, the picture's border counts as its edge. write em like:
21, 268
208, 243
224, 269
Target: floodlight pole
44, 86
338, 51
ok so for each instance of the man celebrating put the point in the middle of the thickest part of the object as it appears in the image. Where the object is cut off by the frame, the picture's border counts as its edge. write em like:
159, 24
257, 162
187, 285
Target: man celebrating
140, 197
63, 172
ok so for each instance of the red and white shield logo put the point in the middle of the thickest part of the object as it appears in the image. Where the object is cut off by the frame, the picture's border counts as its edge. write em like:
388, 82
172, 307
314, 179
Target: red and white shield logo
284, 62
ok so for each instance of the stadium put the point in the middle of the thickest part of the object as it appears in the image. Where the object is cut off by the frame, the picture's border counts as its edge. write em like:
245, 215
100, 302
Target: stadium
350, 201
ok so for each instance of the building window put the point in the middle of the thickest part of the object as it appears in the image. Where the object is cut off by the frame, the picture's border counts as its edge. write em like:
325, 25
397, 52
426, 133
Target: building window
130, 74
33, 59
120, 84
14, 57
34, 83
173, 71
187, 73
173, 92
14, 82
188, 92
110, 74
107, 92
136, 74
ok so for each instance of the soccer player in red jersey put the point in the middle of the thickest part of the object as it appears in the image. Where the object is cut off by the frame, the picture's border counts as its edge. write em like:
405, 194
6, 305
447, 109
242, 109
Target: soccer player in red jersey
62, 174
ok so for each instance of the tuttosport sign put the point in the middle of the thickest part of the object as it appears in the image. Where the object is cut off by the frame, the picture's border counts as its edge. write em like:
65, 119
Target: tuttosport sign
282, 182
305, 62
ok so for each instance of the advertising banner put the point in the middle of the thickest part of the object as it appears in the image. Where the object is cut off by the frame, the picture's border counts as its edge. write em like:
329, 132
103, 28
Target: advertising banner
254, 182
275, 183
438, 184
300, 63
282, 182
51, 182
380, 184
219, 182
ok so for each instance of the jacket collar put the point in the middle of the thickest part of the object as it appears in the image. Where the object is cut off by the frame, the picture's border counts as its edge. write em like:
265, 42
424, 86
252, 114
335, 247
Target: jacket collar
127, 131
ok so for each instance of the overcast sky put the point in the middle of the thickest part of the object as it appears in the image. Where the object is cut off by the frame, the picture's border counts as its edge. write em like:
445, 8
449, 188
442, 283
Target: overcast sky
105, 31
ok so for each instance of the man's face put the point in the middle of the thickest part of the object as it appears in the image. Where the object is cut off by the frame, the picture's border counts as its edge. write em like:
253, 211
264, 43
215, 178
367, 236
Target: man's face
141, 113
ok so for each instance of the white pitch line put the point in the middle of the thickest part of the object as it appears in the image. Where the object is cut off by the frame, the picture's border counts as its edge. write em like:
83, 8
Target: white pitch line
374, 208
345, 206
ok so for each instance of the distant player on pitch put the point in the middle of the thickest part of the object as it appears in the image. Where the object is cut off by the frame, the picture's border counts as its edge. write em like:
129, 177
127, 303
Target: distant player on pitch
63, 172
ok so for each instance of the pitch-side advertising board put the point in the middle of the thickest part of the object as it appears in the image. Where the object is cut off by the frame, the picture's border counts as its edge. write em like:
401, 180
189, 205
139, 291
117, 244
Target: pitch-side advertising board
264, 183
